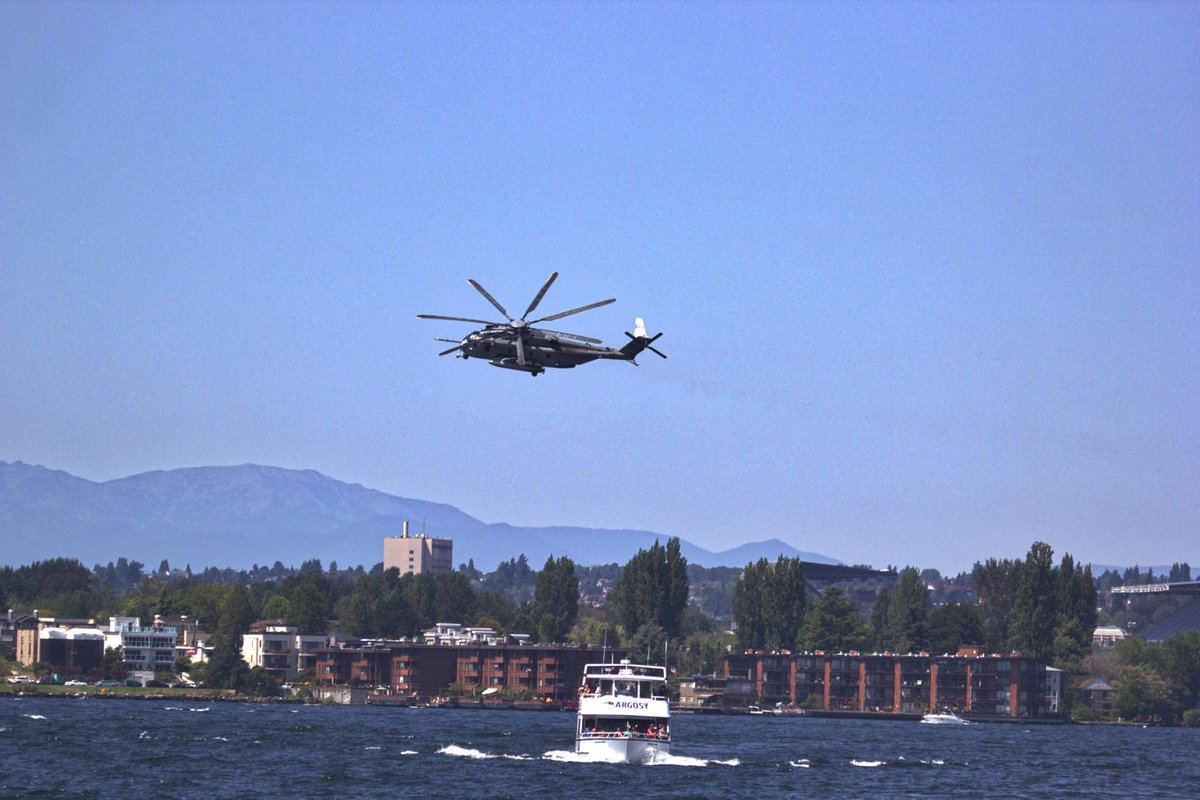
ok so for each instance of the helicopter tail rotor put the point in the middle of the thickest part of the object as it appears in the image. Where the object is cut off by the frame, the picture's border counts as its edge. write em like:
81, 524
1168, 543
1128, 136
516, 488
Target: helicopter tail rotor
639, 341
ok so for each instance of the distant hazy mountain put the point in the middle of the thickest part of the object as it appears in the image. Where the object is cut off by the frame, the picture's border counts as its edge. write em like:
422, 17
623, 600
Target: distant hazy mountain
238, 516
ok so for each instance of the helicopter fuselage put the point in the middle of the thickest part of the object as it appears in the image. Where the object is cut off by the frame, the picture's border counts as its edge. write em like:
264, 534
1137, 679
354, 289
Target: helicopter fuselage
542, 350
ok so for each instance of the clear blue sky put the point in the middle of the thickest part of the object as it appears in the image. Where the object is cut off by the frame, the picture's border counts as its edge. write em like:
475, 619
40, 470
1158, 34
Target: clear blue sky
929, 273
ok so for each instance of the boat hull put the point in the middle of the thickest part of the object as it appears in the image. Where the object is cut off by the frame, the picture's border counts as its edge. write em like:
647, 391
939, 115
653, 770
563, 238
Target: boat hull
630, 751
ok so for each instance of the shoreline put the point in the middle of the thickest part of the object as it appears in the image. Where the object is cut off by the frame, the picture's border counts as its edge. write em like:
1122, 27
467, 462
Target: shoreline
229, 696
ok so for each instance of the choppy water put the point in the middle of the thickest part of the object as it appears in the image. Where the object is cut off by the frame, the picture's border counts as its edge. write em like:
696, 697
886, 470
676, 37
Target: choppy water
90, 748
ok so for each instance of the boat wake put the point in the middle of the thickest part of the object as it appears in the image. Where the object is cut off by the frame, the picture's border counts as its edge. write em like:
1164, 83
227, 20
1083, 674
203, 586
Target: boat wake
666, 759
901, 762
468, 752
571, 757
655, 760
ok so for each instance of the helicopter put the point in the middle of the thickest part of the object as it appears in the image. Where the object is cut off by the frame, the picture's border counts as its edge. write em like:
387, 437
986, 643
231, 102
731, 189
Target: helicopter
517, 345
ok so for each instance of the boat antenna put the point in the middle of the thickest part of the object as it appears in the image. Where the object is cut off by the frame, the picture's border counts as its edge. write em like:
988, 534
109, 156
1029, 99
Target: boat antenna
604, 651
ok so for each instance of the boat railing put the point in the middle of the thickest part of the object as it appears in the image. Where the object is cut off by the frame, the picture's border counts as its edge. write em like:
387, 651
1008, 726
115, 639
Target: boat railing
654, 737
587, 691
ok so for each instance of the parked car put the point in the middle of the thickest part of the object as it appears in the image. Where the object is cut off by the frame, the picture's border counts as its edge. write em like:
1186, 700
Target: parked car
108, 682
76, 683
22, 679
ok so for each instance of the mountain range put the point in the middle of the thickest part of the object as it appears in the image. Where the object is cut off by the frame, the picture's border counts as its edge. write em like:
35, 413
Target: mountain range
250, 514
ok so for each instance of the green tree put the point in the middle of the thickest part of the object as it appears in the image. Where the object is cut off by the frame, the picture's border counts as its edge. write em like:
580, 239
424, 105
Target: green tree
454, 597
556, 599
1035, 607
996, 582
908, 613
259, 682
1076, 601
277, 607
310, 604
1141, 694
703, 654
784, 602
226, 669
769, 602
648, 642
952, 625
880, 631
833, 624
1179, 658
653, 589
749, 616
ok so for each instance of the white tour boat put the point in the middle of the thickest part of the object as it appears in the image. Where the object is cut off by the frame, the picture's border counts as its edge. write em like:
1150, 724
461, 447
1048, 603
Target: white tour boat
623, 712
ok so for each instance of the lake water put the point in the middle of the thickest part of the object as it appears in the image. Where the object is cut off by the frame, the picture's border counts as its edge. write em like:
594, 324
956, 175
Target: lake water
127, 749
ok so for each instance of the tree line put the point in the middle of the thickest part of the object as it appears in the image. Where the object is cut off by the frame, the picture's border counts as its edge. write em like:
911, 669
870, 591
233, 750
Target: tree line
649, 604
1045, 611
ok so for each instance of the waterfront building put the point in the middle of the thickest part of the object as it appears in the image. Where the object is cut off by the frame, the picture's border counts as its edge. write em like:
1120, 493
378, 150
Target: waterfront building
700, 692
914, 683
418, 554
146, 649
551, 672
1097, 692
70, 648
281, 649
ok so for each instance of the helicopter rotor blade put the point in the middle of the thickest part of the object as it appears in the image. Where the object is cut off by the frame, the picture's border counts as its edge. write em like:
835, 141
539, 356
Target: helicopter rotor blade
580, 337
520, 349
460, 346
458, 319
655, 351
562, 314
490, 299
540, 295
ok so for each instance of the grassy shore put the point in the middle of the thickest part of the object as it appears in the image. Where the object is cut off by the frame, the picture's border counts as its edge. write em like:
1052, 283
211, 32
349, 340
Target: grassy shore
131, 692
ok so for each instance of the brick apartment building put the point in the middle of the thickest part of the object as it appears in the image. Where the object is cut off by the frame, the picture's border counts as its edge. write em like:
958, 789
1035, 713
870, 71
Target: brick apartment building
970, 682
551, 672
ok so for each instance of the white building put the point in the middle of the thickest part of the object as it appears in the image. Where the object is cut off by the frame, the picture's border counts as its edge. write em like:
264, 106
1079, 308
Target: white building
280, 648
1107, 635
145, 649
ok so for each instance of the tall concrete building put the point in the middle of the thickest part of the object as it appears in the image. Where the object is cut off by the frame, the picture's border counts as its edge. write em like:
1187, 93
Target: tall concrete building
418, 554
